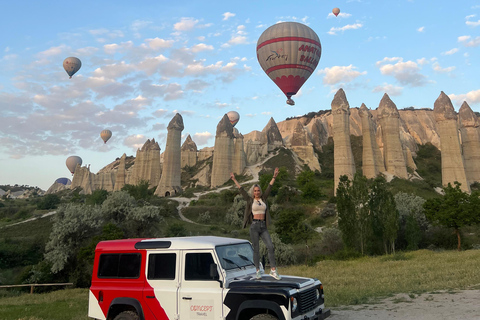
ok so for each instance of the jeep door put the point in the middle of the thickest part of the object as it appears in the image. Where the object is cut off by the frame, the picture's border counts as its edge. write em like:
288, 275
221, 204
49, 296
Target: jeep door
161, 289
200, 293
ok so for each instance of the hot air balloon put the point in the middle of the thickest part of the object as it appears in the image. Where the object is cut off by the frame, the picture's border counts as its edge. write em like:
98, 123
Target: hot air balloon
336, 11
64, 181
233, 116
289, 52
72, 65
105, 135
72, 162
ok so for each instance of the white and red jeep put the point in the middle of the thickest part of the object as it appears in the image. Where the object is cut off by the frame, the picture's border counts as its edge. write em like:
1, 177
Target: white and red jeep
194, 278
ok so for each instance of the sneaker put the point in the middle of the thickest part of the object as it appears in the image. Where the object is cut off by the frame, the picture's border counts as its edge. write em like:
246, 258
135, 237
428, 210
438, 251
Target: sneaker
258, 275
275, 274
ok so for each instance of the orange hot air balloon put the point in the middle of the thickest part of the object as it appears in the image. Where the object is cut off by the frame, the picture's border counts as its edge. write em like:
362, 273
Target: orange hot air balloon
72, 162
289, 52
336, 11
233, 116
105, 135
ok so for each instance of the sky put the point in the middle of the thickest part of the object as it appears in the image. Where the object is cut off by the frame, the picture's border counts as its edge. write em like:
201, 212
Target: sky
144, 61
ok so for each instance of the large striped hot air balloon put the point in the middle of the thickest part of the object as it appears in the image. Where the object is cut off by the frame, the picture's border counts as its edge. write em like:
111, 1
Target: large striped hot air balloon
71, 65
233, 116
289, 52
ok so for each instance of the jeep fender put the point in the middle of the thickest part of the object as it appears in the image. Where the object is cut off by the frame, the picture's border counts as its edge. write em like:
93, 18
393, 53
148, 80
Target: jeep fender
260, 304
117, 303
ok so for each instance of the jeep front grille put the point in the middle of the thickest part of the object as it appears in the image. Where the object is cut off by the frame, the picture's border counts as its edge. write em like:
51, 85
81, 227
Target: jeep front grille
307, 300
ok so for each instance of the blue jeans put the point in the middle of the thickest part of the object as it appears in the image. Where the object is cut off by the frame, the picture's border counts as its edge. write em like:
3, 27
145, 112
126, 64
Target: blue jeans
258, 229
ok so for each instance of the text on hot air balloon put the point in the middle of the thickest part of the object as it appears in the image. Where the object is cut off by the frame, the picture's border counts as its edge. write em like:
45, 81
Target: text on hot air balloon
307, 48
310, 60
275, 55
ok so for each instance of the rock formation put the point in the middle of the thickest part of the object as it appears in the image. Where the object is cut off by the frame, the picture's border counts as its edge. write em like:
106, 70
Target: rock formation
169, 183
256, 146
223, 154
120, 175
147, 164
239, 159
393, 153
274, 137
372, 160
83, 178
205, 153
301, 145
189, 153
343, 157
453, 166
469, 130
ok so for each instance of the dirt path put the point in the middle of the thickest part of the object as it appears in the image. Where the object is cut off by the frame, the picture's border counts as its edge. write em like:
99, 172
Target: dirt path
458, 305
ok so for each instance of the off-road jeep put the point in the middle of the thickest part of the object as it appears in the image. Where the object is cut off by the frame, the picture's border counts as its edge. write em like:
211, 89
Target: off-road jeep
194, 278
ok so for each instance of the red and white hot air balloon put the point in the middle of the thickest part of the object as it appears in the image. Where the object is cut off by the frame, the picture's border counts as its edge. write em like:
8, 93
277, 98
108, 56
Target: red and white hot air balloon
289, 52
336, 11
105, 135
72, 65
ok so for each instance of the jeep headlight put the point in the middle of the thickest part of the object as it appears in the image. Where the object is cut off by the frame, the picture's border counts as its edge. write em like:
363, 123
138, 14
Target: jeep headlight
317, 292
294, 303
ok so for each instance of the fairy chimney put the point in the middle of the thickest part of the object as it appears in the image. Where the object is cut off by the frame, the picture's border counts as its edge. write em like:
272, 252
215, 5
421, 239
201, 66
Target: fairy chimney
223, 153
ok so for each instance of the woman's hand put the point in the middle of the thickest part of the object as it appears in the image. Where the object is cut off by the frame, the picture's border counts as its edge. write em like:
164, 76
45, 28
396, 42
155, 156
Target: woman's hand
232, 176
275, 173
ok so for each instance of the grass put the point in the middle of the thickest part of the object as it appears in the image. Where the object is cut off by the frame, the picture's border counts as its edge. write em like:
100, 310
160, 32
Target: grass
365, 280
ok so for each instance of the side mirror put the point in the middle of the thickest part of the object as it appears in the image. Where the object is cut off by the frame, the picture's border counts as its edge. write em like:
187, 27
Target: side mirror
214, 273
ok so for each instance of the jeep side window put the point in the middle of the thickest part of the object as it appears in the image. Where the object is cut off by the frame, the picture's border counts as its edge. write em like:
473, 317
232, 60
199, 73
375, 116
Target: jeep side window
161, 266
124, 265
197, 266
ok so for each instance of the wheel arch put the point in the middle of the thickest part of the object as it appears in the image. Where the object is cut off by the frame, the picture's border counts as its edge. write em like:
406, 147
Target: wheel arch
125, 304
250, 308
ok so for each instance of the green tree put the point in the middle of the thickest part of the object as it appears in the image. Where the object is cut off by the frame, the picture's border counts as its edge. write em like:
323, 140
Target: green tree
265, 179
97, 197
50, 201
140, 191
347, 218
412, 220
360, 197
382, 204
455, 209
292, 227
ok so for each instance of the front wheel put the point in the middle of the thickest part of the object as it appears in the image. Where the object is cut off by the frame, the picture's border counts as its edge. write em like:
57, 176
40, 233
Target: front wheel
264, 316
127, 315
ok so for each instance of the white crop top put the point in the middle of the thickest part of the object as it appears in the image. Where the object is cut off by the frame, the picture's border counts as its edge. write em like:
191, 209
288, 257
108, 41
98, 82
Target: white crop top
258, 207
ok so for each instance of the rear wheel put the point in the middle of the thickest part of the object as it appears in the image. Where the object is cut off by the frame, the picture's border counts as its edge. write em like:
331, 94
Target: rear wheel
127, 315
264, 316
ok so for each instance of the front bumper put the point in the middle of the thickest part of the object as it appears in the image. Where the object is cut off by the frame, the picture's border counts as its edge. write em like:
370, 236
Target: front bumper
319, 314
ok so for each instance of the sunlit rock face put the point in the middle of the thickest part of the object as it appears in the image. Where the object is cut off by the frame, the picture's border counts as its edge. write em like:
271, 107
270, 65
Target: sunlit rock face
169, 183
393, 151
147, 164
189, 153
239, 158
453, 166
372, 160
83, 178
470, 134
223, 154
120, 174
343, 157
301, 145
273, 135
256, 146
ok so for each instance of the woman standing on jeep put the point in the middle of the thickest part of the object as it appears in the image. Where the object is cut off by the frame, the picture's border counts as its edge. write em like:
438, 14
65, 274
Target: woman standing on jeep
258, 216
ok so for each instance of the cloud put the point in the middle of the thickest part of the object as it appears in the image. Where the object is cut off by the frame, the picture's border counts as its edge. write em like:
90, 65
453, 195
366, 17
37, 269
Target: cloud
185, 24
201, 47
196, 85
202, 138
53, 51
228, 15
421, 29
473, 23
333, 31
113, 71
469, 43
135, 141
235, 40
407, 73
470, 97
450, 52
389, 89
436, 67
340, 74
157, 43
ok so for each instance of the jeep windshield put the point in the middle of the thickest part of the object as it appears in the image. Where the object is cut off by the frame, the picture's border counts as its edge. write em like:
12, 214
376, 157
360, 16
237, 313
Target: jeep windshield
235, 255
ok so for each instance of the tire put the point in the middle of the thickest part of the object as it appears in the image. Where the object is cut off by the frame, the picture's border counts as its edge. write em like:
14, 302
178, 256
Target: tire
264, 316
127, 315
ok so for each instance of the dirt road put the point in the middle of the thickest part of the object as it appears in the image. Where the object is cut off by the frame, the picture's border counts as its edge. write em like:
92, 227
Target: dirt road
458, 305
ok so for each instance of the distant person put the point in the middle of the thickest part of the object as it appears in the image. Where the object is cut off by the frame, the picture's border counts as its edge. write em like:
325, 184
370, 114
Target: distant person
258, 216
